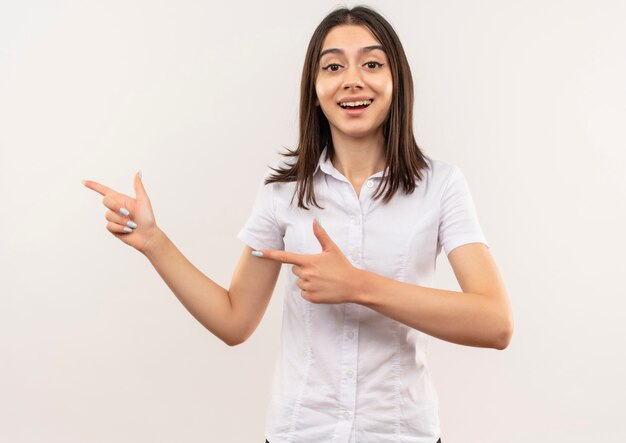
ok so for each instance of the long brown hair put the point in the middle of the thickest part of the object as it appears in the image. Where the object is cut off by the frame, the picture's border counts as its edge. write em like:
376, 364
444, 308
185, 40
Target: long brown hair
404, 158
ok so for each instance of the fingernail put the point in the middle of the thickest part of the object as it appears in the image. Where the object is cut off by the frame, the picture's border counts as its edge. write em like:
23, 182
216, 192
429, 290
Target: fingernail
83, 182
124, 211
318, 222
128, 230
132, 224
257, 253
140, 175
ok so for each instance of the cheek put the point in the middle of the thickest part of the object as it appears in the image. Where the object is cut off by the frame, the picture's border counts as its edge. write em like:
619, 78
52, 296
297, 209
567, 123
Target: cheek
326, 88
325, 96
321, 90
385, 92
385, 87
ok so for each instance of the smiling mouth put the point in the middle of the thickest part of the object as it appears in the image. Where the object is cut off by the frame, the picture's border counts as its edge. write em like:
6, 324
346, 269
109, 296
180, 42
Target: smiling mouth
356, 105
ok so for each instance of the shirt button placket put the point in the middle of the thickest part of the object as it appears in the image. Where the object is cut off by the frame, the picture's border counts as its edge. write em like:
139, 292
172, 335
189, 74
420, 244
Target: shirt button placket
348, 370
351, 327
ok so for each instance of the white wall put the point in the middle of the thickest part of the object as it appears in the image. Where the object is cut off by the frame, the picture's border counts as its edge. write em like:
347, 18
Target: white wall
528, 98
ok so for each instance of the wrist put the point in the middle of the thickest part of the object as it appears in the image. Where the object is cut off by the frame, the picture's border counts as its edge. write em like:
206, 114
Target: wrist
360, 286
154, 243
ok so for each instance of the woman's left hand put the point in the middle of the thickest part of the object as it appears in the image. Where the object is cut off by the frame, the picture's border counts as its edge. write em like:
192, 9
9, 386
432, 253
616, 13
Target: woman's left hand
327, 277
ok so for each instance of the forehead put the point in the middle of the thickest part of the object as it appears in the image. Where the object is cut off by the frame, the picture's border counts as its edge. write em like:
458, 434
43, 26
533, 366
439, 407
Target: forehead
349, 37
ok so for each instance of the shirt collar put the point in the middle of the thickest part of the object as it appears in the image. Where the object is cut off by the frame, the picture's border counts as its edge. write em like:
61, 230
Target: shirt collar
327, 167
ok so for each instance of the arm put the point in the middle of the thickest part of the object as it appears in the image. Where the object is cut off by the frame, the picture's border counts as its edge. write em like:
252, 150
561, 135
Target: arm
479, 316
230, 315
208, 302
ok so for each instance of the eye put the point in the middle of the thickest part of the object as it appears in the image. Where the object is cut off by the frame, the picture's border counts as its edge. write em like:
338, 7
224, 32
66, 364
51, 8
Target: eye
334, 67
373, 65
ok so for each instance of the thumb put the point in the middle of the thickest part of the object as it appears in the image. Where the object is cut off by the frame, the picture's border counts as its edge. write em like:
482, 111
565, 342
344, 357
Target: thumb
322, 236
140, 191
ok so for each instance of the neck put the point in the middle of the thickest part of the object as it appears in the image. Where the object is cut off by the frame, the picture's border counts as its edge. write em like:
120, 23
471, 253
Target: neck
359, 158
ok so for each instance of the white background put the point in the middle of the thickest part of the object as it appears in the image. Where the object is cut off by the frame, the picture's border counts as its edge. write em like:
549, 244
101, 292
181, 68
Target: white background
527, 98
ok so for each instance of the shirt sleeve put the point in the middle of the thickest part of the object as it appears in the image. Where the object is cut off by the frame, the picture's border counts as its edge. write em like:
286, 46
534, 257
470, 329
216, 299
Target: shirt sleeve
458, 222
261, 230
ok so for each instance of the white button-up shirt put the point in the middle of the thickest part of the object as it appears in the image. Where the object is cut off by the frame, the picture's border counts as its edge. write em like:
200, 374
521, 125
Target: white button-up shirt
346, 373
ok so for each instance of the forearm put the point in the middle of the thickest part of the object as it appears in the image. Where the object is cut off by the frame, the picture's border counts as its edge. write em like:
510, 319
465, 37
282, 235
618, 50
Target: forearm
458, 317
208, 302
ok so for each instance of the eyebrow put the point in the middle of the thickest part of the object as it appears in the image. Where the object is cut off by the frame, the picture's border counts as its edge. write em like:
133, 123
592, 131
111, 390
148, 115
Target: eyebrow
341, 51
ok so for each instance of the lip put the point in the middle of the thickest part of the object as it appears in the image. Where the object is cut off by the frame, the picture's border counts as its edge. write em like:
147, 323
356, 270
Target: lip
353, 111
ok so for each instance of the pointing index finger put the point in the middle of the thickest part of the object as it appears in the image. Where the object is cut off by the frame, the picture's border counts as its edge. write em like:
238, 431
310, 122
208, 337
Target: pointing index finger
282, 256
100, 189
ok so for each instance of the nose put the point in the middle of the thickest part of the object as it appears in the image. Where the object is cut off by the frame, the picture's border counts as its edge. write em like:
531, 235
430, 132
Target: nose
353, 84
352, 78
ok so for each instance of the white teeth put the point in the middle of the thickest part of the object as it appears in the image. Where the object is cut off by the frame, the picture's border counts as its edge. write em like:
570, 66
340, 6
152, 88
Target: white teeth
353, 104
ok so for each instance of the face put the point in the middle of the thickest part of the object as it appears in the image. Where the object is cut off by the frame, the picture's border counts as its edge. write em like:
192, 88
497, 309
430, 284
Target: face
353, 84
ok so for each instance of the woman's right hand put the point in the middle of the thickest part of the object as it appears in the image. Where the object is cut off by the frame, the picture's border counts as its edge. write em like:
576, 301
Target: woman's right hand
134, 214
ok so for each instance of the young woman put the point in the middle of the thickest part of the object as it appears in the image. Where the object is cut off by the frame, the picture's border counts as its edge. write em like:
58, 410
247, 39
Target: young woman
359, 304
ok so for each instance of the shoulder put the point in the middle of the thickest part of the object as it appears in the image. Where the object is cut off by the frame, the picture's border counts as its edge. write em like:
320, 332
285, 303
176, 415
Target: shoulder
440, 172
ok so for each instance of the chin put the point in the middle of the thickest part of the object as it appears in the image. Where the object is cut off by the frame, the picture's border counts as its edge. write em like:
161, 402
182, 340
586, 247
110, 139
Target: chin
359, 132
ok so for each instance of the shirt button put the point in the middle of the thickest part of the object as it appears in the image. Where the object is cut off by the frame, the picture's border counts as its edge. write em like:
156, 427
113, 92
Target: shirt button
350, 373
346, 415
350, 334
370, 183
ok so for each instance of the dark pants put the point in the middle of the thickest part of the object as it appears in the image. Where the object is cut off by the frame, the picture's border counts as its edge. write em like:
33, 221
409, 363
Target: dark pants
438, 441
